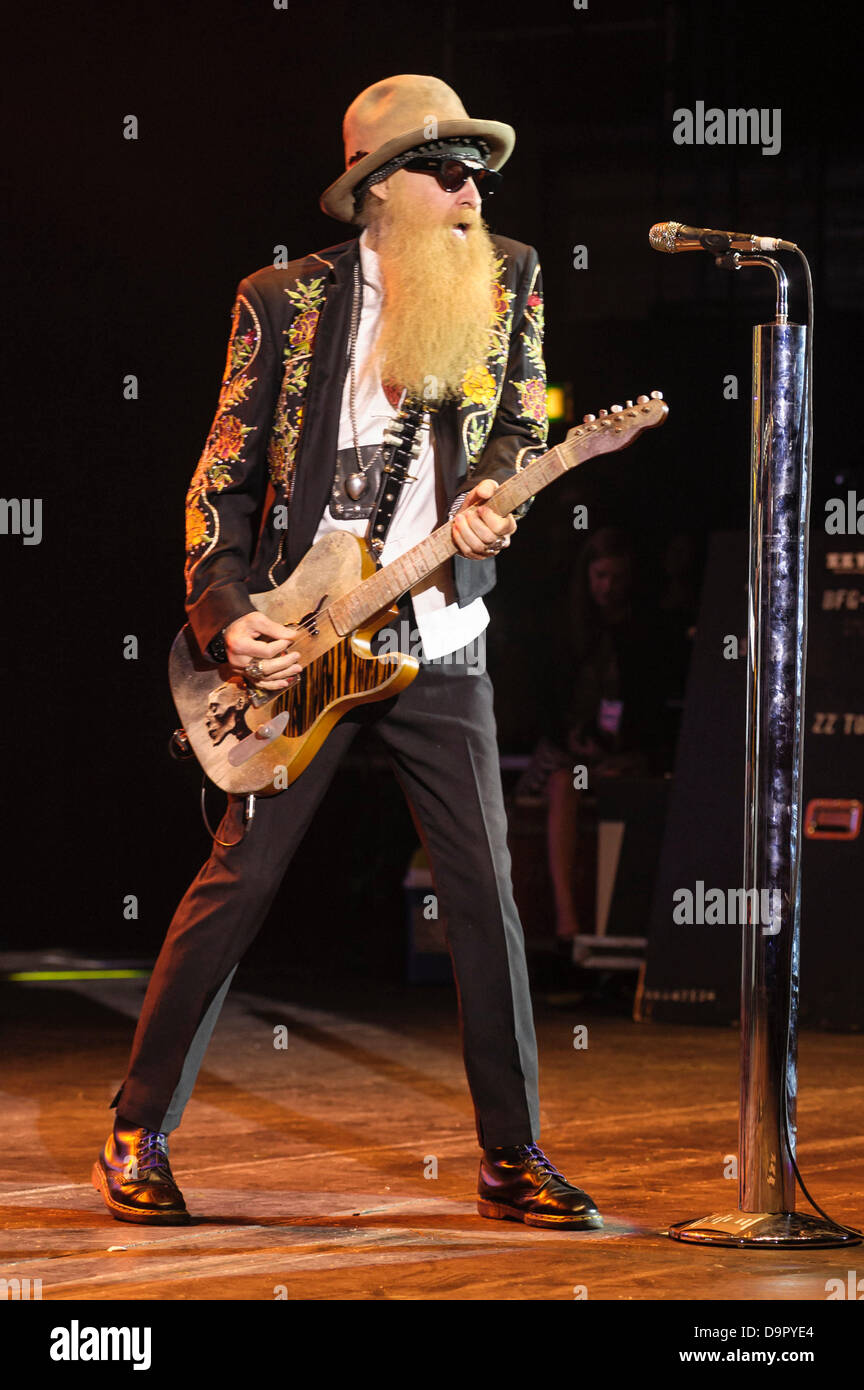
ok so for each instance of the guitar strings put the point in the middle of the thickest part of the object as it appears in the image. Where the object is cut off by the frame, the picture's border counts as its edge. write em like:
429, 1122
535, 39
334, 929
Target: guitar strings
308, 625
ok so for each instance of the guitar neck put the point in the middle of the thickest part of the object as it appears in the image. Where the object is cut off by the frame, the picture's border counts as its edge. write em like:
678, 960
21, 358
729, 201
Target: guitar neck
388, 584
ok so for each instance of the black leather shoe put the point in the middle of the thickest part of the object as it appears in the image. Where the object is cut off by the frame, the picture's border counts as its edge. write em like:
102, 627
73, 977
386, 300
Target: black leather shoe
134, 1177
520, 1184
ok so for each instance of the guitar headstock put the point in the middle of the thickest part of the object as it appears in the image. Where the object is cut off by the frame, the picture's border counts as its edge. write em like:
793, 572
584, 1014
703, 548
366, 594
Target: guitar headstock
614, 428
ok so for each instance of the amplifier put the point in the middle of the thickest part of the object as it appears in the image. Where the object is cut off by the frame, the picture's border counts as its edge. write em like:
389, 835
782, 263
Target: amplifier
694, 942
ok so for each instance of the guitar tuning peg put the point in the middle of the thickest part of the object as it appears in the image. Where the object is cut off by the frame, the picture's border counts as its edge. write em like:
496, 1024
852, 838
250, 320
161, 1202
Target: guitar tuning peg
641, 400
616, 409
602, 414
656, 395
629, 405
588, 419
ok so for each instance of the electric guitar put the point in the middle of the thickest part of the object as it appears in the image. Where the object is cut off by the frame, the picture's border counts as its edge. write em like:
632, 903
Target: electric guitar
252, 740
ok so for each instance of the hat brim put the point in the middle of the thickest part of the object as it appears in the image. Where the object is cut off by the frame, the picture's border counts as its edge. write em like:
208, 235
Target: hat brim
338, 200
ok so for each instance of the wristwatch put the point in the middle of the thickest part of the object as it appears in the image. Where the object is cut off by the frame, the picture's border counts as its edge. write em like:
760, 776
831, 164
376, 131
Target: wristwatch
216, 648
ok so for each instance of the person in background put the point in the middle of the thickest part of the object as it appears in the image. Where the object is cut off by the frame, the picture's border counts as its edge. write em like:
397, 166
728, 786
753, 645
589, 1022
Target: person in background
605, 707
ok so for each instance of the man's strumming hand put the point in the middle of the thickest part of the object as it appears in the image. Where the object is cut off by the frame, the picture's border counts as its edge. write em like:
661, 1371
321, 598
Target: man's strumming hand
255, 637
477, 528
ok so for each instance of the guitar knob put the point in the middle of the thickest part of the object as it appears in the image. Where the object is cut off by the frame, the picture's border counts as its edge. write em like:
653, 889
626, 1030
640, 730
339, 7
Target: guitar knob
656, 395
641, 400
588, 419
616, 409
179, 746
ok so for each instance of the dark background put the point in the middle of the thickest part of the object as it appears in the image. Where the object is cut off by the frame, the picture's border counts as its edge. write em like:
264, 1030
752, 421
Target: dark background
124, 256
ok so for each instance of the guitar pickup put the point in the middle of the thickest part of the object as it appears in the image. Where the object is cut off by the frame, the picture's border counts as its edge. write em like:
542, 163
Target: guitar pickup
258, 739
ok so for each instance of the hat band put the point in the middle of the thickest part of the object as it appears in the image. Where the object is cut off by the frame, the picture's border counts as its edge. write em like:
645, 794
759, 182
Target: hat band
453, 149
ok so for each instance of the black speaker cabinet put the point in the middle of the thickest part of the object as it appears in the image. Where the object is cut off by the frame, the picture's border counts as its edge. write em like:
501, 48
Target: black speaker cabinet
693, 966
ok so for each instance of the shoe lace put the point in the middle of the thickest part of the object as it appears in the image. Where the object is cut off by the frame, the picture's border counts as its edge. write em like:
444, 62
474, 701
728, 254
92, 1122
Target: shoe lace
536, 1160
151, 1154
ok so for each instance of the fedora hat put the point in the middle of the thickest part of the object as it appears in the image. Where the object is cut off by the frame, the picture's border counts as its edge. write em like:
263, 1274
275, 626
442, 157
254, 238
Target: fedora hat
393, 116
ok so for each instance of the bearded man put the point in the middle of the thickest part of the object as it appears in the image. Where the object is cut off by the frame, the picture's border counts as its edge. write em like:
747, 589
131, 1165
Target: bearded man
425, 305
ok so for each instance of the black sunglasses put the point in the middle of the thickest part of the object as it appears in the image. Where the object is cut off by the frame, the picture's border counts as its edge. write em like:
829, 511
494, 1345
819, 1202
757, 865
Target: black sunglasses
453, 174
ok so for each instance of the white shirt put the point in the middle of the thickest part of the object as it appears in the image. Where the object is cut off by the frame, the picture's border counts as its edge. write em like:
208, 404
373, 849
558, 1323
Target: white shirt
443, 626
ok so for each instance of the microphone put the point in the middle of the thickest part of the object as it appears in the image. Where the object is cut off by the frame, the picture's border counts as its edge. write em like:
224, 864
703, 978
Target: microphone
674, 236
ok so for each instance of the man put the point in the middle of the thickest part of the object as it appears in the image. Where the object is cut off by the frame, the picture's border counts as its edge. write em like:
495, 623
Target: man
426, 303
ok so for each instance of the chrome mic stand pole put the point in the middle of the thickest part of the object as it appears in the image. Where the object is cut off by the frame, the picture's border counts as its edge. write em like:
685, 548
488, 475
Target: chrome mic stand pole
777, 610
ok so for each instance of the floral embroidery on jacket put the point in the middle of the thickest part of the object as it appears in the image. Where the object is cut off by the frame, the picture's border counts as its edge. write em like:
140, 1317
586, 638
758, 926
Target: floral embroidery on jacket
478, 386
482, 386
501, 410
532, 391
308, 297
502, 314
533, 394
226, 438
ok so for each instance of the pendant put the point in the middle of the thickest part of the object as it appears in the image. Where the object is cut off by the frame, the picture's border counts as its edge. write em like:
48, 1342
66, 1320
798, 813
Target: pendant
355, 486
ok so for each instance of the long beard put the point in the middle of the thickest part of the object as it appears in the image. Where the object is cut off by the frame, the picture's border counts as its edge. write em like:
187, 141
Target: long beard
438, 296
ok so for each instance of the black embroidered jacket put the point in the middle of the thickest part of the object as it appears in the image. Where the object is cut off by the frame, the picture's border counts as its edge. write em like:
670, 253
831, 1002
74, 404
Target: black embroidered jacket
264, 478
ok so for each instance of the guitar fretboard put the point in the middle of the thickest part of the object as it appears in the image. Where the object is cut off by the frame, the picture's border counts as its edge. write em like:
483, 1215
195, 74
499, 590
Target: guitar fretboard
388, 584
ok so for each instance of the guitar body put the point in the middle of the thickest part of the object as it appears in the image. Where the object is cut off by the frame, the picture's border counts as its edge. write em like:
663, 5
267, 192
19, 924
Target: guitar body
252, 740
249, 740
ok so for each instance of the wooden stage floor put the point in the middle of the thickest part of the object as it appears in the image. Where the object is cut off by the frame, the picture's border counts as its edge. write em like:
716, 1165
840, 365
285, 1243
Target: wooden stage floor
304, 1167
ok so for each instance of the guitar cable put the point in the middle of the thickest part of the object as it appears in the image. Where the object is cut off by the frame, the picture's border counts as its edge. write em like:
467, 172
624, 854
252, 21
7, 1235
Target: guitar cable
180, 750
805, 445
248, 817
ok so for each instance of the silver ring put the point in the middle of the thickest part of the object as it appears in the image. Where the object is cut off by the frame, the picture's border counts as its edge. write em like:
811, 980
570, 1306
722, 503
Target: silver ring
254, 670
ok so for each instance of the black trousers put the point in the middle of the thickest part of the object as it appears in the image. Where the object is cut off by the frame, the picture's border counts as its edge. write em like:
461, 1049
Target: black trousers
439, 734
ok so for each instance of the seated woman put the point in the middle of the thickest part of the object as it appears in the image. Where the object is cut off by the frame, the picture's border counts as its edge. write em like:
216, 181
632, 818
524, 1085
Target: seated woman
606, 696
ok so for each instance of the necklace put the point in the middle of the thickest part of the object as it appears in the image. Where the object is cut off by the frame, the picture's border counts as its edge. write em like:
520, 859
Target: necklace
356, 483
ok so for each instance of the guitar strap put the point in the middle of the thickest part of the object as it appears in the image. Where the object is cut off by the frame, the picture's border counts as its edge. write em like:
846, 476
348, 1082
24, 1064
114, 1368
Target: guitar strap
402, 437
398, 449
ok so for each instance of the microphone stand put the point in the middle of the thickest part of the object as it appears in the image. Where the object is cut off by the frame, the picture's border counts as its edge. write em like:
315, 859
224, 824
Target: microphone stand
776, 654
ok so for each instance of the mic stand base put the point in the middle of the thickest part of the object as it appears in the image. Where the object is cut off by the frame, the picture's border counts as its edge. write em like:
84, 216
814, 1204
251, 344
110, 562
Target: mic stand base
761, 1230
